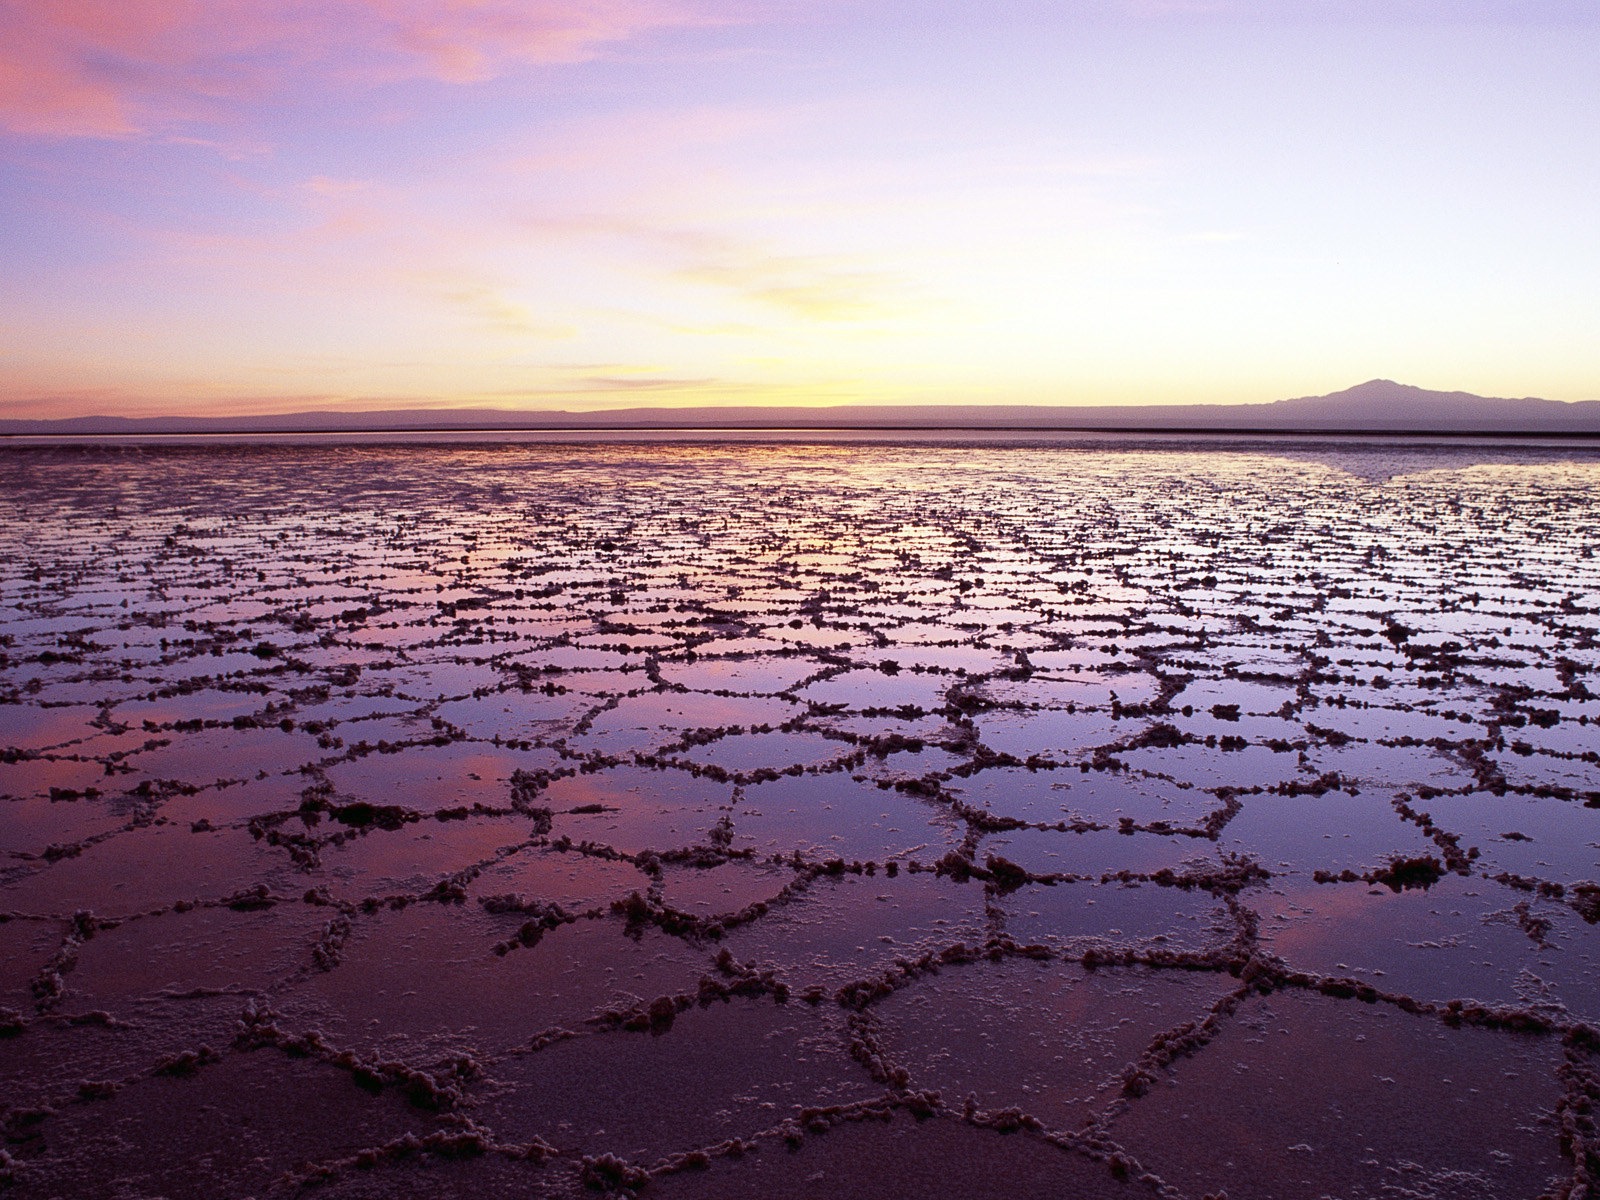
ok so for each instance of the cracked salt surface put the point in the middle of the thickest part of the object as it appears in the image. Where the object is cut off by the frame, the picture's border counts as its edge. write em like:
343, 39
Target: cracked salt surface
799, 820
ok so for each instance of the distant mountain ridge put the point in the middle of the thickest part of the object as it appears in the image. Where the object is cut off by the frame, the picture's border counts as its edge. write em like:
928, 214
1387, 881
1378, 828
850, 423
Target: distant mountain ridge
1377, 406
1383, 404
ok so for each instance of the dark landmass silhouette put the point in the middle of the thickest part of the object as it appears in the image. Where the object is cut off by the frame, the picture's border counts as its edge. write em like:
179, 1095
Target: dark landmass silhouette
1378, 406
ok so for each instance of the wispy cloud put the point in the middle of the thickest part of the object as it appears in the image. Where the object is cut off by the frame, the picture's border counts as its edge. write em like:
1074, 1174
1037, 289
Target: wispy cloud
633, 383
483, 302
469, 40
118, 68
323, 185
814, 287
817, 287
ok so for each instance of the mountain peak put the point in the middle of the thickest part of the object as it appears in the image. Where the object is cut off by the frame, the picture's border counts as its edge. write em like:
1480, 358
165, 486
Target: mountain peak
1383, 404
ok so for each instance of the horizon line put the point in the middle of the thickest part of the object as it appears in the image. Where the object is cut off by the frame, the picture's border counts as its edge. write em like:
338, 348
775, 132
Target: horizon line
642, 427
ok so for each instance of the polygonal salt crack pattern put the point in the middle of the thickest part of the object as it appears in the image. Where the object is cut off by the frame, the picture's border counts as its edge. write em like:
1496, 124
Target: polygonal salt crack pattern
797, 819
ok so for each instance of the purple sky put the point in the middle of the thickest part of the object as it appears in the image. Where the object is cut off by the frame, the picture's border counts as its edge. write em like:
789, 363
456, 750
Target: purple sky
256, 205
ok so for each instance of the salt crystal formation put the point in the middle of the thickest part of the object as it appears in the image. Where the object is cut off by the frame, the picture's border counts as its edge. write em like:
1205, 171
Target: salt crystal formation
798, 820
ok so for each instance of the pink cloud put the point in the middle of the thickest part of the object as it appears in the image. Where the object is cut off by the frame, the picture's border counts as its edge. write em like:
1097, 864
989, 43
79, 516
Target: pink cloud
114, 68
109, 68
469, 40
39, 95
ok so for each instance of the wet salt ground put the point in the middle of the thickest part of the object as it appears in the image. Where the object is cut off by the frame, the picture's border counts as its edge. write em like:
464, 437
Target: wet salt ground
797, 821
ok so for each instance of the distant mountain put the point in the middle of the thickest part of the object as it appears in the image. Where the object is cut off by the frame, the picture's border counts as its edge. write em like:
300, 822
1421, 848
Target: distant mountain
1382, 404
1378, 406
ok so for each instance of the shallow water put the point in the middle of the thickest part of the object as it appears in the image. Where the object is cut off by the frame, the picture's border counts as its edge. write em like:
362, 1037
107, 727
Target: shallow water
1056, 817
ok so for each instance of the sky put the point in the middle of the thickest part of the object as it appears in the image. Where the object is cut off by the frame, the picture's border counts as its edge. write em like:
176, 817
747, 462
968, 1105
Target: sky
246, 206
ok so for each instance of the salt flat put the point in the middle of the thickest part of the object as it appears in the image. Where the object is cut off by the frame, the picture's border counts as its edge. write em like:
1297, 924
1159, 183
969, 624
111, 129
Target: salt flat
799, 819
